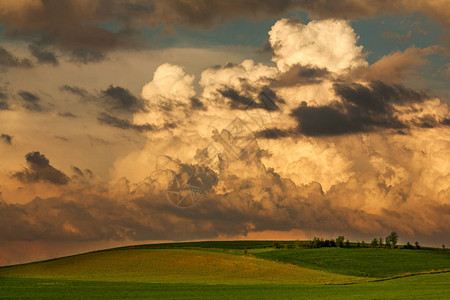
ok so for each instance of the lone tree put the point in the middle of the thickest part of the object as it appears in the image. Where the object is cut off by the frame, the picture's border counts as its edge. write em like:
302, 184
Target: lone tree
340, 241
374, 243
392, 239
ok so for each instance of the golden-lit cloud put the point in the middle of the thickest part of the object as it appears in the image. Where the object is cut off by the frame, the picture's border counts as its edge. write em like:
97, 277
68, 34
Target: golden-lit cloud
318, 141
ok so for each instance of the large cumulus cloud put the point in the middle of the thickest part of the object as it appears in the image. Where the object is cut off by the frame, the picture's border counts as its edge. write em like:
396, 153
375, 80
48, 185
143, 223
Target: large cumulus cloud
336, 153
295, 43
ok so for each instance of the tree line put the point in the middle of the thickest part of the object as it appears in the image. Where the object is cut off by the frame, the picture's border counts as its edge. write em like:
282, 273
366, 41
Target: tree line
390, 241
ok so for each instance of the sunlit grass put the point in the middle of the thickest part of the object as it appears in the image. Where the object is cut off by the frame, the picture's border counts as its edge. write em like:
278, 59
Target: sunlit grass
175, 266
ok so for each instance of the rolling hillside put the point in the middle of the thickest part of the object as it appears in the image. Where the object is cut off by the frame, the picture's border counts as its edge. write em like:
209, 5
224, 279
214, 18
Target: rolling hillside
208, 269
174, 266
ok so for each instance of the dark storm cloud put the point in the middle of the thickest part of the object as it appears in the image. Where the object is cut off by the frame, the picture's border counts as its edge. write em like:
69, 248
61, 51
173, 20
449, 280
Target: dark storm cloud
107, 119
361, 109
39, 169
379, 97
242, 196
266, 99
31, 101
69, 24
206, 13
74, 90
95, 214
6, 138
327, 120
43, 55
102, 25
85, 56
8, 60
119, 98
301, 75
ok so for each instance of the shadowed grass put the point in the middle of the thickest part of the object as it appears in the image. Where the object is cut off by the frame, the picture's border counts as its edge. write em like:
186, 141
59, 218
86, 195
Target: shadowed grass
417, 287
362, 262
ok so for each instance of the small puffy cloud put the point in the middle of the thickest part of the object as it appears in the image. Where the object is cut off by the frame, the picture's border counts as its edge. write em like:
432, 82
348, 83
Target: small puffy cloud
75, 90
43, 55
8, 60
83, 177
67, 114
84, 56
28, 96
6, 138
327, 44
39, 169
31, 101
121, 99
112, 121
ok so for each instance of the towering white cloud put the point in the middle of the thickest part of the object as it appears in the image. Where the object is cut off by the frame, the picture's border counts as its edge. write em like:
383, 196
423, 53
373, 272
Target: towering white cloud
170, 83
357, 159
329, 44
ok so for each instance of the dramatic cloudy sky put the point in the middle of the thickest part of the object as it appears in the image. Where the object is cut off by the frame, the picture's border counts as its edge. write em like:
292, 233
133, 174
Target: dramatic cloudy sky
125, 122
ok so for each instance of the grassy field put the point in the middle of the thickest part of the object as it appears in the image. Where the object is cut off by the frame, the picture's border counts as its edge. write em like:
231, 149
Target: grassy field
174, 266
435, 286
211, 270
365, 262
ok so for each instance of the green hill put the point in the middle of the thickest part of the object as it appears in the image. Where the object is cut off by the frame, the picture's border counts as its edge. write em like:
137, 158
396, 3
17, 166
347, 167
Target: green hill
365, 262
225, 270
173, 266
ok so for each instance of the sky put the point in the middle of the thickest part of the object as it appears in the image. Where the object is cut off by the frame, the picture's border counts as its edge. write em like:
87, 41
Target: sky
127, 122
